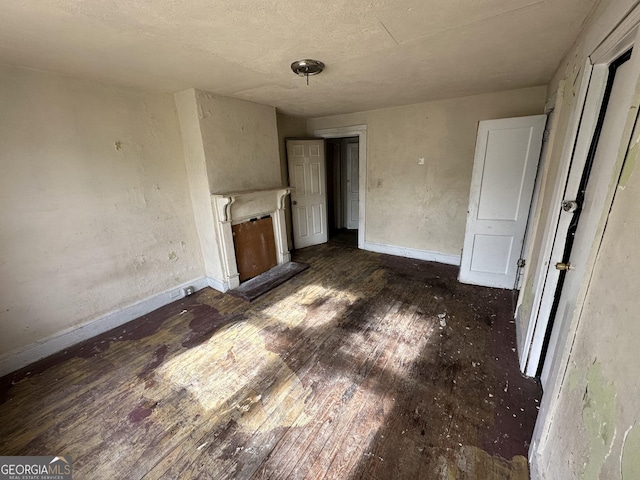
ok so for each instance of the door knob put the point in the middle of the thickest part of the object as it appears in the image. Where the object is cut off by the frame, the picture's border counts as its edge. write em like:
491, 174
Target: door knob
563, 266
294, 202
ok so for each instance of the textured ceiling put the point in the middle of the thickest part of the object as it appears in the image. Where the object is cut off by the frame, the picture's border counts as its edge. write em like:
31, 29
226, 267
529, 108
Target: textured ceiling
377, 53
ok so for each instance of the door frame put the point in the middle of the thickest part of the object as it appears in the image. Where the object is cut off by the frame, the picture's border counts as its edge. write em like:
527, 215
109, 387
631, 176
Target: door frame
574, 155
552, 110
578, 140
359, 131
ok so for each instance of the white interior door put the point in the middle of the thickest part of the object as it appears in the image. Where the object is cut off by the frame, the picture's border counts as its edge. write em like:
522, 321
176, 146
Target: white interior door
308, 180
352, 202
594, 181
504, 173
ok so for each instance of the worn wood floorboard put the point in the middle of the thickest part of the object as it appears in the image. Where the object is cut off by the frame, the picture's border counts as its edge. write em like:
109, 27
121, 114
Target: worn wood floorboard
363, 366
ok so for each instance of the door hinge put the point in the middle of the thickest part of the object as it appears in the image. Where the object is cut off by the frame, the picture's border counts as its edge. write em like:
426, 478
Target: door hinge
521, 262
545, 135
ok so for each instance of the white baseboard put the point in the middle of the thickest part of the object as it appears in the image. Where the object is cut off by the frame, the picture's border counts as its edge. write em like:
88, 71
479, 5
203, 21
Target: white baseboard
413, 253
217, 284
21, 357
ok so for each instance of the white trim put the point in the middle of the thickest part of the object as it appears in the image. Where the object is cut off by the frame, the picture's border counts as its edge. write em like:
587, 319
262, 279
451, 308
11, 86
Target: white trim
553, 107
217, 284
21, 357
427, 255
544, 291
359, 131
592, 106
619, 41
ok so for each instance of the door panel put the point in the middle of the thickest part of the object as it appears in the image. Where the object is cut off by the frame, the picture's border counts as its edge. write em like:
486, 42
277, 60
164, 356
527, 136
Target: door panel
314, 179
504, 171
303, 229
308, 194
317, 219
505, 166
299, 179
491, 254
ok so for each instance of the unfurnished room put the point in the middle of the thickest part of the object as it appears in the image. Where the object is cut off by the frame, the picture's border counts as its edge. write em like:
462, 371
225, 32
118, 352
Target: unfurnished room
340, 240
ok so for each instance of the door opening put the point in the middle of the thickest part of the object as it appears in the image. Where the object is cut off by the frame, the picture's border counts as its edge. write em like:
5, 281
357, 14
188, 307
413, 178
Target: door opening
342, 158
359, 132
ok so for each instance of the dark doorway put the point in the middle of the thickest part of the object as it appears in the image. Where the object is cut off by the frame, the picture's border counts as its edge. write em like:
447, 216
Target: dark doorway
342, 194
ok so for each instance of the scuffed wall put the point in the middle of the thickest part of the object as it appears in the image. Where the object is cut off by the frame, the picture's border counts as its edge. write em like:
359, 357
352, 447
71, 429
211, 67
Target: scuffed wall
425, 206
94, 201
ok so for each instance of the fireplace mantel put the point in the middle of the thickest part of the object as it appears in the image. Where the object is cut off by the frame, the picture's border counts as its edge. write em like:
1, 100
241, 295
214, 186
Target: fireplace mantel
236, 207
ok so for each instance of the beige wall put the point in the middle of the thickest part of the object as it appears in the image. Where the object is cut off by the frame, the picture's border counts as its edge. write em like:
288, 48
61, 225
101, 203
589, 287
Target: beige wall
425, 206
595, 431
240, 141
597, 426
87, 227
590, 422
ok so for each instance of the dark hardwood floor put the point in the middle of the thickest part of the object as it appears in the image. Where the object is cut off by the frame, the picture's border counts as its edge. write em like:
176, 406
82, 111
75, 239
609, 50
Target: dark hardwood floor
363, 366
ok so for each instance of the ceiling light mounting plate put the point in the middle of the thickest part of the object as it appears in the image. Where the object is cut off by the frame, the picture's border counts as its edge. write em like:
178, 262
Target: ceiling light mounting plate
307, 67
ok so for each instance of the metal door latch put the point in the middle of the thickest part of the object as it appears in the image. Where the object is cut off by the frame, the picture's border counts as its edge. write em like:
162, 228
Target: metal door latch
569, 206
564, 266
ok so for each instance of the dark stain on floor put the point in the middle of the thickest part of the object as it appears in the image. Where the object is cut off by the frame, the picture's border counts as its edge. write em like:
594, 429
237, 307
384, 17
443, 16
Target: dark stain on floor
402, 371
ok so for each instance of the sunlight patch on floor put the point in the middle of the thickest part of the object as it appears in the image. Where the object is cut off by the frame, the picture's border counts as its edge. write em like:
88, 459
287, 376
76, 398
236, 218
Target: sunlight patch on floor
292, 310
226, 374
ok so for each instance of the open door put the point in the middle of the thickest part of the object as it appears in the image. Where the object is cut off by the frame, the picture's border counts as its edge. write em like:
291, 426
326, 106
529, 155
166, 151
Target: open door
307, 178
504, 173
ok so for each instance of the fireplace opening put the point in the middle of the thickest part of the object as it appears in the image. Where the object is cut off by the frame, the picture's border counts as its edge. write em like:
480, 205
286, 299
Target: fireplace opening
255, 247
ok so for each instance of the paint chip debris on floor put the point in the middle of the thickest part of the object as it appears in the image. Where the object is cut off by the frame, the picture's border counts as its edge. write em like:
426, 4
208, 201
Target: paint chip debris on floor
363, 366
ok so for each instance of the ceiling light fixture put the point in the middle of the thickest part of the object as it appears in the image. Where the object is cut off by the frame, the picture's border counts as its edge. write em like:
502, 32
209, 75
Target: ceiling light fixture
307, 67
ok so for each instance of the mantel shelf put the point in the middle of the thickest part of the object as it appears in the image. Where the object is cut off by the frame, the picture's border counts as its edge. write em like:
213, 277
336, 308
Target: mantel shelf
249, 192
